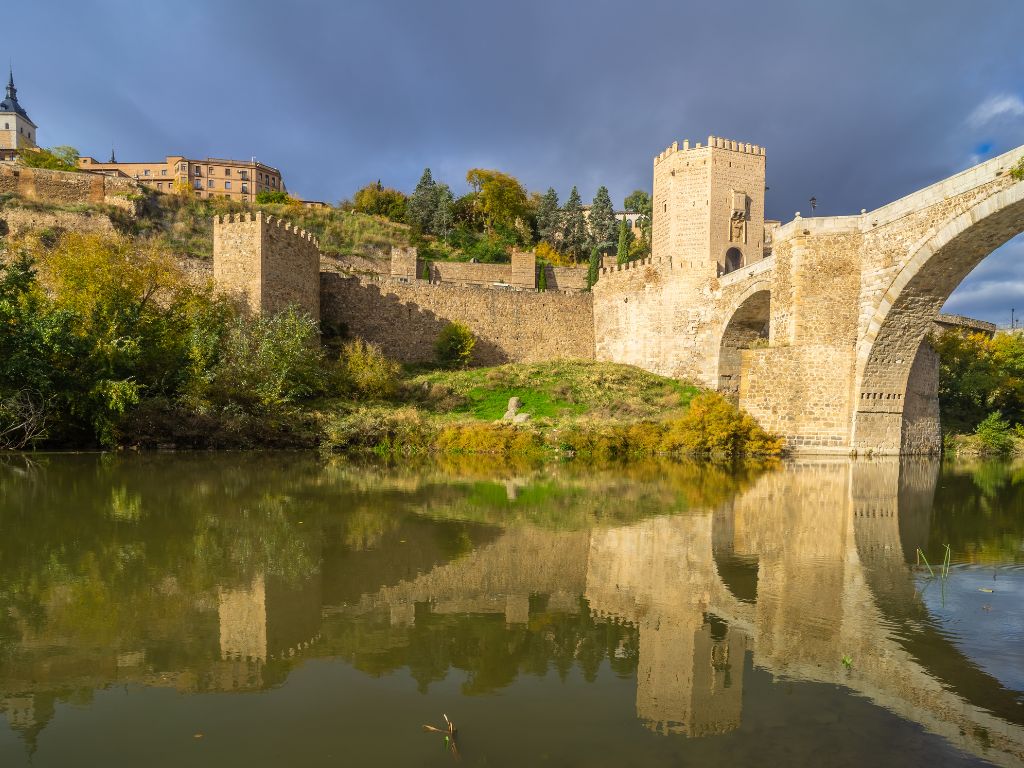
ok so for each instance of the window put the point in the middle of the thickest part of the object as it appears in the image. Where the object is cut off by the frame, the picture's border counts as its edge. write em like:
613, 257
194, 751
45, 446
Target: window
163, 171
7, 126
209, 170
245, 188
146, 172
227, 185
159, 185
199, 184
227, 171
245, 174
199, 171
209, 183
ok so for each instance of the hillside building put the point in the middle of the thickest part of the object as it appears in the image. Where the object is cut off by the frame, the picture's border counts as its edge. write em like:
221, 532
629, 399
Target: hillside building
238, 180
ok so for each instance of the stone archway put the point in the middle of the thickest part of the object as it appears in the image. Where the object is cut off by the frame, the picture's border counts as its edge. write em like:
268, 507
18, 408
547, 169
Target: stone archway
895, 381
747, 327
733, 260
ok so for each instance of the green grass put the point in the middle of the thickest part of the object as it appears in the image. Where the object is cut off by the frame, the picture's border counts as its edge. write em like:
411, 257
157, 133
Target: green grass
557, 390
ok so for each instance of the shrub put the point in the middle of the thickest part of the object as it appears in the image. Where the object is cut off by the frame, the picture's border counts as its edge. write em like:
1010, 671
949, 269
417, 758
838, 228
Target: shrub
499, 439
367, 372
994, 434
266, 362
268, 197
547, 252
400, 430
54, 158
713, 426
454, 346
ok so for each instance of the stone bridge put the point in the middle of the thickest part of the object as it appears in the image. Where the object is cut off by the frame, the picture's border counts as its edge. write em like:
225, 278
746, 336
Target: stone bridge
805, 567
817, 326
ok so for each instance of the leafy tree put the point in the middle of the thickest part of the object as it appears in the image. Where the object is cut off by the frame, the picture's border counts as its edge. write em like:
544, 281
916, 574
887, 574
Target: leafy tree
603, 228
573, 235
625, 241
378, 200
62, 158
500, 198
548, 217
550, 255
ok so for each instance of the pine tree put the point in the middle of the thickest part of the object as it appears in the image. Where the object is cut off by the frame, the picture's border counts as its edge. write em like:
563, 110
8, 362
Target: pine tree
603, 230
573, 234
419, 211
625, 240
547, 217
444, 212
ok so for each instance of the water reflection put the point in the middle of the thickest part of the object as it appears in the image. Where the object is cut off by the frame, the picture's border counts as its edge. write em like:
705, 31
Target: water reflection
225, 573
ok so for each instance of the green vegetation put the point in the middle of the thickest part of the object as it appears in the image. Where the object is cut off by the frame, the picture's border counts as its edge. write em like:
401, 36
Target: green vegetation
454, 347
61, 158
275, 197
1017, 172
981, 392
601, 411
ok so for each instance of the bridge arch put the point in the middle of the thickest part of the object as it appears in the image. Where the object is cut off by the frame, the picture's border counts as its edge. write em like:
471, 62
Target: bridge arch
748, 323
893, 362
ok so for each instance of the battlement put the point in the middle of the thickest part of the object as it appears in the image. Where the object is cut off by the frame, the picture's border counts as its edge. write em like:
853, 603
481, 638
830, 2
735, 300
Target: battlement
714, 142
660, 261
267, 220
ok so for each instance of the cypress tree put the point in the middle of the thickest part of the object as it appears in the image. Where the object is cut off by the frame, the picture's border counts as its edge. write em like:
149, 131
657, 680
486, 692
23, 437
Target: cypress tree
603, 230
573, 234
594, 268
547, 217
625, 240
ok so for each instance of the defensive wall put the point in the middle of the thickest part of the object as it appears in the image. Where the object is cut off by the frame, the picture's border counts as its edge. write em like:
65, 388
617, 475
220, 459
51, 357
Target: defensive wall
267, 264
68, 187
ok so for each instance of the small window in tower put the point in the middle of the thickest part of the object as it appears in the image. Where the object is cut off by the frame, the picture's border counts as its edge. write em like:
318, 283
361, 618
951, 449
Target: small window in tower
7, 126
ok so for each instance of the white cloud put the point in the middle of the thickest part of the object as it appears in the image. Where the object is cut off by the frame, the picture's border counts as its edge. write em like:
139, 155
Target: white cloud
995, 107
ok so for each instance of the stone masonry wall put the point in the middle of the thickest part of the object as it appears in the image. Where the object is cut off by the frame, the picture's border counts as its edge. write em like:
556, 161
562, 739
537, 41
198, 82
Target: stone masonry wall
68, 187
511, 326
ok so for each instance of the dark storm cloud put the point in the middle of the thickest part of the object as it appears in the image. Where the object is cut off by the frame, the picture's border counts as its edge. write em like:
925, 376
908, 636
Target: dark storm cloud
858, 103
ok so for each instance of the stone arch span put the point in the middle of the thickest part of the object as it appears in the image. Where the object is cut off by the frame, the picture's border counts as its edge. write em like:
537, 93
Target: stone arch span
894, 408
747, 324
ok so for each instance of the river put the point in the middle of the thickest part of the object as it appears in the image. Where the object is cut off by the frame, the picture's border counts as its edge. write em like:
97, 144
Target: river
278, 609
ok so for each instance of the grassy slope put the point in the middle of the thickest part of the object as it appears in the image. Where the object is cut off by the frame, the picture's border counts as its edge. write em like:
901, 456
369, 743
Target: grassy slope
561, 390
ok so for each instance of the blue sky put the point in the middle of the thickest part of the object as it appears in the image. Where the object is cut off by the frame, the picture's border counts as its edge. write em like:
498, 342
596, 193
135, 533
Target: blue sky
858, 103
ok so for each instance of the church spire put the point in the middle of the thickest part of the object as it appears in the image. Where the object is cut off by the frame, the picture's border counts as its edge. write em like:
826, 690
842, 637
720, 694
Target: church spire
112, 158
12, 92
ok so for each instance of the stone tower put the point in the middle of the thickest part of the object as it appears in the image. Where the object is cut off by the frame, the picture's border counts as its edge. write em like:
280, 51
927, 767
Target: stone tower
708, 206
17, 131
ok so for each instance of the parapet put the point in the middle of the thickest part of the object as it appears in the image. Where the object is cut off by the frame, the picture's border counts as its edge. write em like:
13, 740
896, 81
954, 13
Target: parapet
268, 221
714, 142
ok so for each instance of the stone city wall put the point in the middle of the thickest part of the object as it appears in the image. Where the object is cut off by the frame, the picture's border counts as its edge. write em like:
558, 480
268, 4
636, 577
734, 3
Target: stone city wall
511, 326
68, 187
20, 221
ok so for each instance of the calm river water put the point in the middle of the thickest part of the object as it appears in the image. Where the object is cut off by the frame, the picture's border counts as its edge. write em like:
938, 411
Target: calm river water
287, 610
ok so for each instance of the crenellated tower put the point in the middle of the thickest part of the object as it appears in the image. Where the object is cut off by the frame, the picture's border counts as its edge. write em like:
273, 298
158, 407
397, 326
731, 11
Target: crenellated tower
266, 263
708, 205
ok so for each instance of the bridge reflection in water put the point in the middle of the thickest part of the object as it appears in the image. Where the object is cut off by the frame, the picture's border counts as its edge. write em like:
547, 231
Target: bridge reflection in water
799, 569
